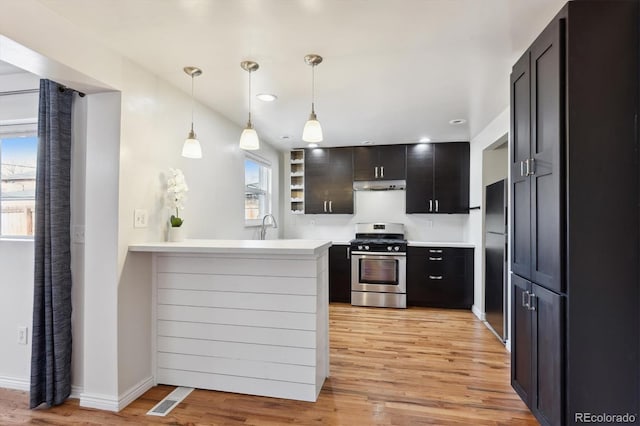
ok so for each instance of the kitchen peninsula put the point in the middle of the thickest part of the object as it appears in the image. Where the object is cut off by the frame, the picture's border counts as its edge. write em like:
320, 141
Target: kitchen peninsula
241, 316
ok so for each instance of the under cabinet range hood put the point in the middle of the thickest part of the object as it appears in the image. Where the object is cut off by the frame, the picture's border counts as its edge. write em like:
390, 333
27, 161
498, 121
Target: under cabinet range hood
379, 185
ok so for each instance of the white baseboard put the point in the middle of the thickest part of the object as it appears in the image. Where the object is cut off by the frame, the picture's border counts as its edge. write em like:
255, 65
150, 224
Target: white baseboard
25, 385
508, 344
14, 383
135, 392
110, 403
478, 313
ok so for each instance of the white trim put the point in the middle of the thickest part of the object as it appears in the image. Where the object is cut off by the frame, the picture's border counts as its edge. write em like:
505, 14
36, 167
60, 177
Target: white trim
76, 391
134, 392
110, 403
478, 313
507, 344
14, 383
258, 159
98, 401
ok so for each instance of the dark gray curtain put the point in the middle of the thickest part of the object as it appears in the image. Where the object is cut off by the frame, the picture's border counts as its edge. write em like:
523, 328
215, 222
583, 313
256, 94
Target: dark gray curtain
51, 340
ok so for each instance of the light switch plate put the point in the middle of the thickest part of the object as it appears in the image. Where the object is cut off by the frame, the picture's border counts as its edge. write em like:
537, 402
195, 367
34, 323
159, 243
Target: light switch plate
78, 234
140, 218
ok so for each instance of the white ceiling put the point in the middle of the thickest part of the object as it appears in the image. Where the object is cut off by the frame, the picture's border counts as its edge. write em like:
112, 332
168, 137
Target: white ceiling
393, 71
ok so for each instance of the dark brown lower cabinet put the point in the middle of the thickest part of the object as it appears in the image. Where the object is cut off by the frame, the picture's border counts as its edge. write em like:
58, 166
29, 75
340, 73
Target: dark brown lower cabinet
440, 277
339, 274
537, 342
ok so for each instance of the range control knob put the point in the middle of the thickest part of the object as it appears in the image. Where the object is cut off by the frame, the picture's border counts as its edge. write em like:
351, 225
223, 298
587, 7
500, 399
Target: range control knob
396, 248
359, 247
389, 248
366, 247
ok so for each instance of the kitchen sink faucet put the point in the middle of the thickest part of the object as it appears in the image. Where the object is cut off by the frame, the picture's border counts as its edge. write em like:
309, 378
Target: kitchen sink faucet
263, 228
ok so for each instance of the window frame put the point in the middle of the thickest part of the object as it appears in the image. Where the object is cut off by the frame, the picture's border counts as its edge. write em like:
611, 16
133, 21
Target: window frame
266, 164
17, 129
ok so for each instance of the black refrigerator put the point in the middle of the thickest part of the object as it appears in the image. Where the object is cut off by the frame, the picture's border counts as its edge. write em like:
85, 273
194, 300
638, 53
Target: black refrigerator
496, 239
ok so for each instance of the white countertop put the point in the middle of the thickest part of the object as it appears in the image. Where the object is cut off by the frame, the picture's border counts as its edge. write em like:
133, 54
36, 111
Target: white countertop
278, 247
458, 244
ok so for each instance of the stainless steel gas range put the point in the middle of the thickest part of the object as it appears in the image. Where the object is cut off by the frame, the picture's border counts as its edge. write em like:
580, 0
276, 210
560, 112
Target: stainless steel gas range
378, 265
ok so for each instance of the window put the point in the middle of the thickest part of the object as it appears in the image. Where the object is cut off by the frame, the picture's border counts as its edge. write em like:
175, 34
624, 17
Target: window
17, 185
257, 190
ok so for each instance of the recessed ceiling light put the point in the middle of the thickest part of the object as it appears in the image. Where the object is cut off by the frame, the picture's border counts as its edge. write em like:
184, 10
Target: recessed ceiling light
266, 97
284, 137
313, 145
366, 142
425, 139
457, 121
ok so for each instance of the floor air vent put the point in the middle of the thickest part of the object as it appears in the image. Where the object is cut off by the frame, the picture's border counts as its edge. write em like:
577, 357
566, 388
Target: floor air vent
170, 402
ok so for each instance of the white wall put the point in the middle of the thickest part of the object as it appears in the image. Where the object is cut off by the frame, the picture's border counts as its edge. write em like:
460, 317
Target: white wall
125, 170
492, 134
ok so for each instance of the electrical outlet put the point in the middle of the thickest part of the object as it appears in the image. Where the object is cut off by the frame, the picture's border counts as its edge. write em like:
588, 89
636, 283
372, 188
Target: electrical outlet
140, 218
22, 335
78, 234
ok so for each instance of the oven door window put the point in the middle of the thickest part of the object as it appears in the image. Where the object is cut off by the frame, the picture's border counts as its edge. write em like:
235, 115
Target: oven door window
378, 271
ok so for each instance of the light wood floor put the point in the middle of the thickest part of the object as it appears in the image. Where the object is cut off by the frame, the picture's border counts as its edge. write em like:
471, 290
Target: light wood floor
388, 367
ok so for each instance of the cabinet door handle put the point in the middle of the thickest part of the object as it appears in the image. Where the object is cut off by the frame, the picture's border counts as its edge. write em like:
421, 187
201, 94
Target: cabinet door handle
382, 171
435, 258
533, 302
376, 172
531, 167
437, 205
435, 277
430, 205
348, 253
330, 206
522, 169
525, 295
325, 206
435, 251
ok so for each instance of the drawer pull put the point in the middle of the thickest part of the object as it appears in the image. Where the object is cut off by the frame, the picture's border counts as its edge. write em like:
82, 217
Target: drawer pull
435, 251
435, 277
435, 258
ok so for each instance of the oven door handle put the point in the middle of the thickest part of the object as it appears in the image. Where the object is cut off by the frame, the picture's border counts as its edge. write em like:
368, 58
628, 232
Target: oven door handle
378, 253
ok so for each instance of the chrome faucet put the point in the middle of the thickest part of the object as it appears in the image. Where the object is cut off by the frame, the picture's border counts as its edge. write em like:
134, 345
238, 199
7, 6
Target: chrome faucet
263, 229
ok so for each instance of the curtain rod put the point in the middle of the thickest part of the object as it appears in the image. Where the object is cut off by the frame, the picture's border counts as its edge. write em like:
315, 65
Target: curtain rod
62, 88
28, 91
19, 92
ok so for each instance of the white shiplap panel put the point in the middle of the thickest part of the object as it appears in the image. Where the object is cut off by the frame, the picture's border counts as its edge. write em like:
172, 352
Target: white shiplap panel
235, 266
238, 283
232, 333
271, 319
266, 302
238, 367
273, 388
246, 351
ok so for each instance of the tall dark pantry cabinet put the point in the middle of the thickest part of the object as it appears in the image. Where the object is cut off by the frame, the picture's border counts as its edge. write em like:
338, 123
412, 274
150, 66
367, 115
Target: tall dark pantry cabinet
574, 177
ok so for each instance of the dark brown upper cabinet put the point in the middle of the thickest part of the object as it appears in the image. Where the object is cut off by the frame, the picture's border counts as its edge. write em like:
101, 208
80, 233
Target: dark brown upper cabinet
328, 181
383, 162
438, 178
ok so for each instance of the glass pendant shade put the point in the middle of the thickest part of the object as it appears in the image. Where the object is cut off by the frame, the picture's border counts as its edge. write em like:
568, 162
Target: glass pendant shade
249, 139
312, 131
191, 147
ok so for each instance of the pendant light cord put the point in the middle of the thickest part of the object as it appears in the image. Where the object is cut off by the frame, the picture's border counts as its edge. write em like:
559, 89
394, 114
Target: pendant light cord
249, 123
192, 103
313, 88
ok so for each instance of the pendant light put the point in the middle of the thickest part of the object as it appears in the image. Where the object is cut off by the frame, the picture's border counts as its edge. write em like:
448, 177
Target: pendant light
249, 138
191, 147
312, 131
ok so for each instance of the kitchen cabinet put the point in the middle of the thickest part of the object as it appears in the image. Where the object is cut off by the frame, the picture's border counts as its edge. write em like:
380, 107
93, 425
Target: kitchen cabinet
438, 178
328, 181
339, 274
575, 228
536, 372
535, 160
440, 277
381, 162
